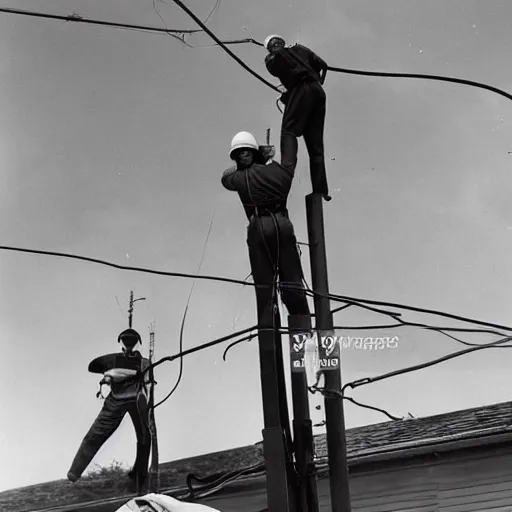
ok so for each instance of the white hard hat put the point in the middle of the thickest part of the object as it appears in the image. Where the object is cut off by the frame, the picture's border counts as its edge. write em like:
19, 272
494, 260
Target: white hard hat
269, 38
243, 140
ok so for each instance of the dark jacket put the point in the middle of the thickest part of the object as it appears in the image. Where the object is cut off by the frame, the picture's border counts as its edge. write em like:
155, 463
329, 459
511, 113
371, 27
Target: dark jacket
294, 65
260, 185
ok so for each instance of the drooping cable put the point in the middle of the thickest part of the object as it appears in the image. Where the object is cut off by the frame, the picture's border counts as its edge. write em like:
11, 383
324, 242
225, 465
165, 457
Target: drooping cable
180, 374
370, 380
197, 348
180, 4
231, 345
123, 267
80, 19
460, 81
364, 302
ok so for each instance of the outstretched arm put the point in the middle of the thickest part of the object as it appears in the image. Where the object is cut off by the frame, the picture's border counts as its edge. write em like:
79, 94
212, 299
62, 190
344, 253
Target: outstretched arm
102, 364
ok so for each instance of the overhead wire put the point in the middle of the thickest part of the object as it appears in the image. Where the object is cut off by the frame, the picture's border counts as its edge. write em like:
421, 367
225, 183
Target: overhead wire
365, 302
223, 44
217, 3
80, 19
453, 355
180, 374
353, 301
180, 4
231, 345
460, 81
124, 267
182, 38
197, 348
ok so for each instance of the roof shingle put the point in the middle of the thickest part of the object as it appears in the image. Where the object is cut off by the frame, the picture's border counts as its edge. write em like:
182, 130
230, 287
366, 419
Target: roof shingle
366, 440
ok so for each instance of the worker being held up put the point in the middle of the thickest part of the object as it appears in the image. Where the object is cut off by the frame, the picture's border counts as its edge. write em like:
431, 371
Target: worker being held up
302, 73
128, 395
263, 186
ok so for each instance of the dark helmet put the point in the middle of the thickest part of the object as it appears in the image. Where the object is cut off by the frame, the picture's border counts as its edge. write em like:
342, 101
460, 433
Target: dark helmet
129, 338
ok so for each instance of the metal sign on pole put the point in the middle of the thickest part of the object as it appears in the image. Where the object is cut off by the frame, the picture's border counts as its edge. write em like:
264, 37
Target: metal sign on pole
329, 355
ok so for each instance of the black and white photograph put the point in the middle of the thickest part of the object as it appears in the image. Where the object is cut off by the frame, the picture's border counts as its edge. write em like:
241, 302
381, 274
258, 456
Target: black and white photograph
255, 255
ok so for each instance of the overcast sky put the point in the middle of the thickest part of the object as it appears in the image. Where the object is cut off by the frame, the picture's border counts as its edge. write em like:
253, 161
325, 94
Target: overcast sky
112, 144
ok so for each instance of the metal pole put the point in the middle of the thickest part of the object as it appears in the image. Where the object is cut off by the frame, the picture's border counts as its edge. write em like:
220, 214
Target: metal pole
154, 475
300, 325
130, 310
279, 468
334, 417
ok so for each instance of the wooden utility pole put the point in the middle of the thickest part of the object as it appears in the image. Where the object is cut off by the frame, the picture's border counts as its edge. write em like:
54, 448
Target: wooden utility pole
281, 482
303, 441
329, 354
130, 309
154, 475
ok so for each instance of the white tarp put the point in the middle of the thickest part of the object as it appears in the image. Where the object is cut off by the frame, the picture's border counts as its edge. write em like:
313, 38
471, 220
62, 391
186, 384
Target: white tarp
162, 503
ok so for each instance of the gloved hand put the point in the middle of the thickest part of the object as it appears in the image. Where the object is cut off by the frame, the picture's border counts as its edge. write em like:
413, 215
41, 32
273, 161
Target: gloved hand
107, 379
267, 152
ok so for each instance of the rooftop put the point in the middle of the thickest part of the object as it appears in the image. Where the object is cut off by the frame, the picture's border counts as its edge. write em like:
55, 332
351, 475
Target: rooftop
381, 439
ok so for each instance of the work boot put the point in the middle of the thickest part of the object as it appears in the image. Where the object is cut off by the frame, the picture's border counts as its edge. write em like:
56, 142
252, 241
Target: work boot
319, 177
72, 477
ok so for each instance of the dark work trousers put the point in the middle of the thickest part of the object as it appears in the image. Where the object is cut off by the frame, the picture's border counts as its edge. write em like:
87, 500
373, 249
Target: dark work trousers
262, 240
272, 244
304, 116
106, 424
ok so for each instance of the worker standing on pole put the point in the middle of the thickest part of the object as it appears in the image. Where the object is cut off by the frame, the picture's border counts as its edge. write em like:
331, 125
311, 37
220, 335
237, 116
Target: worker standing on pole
302, 73
128, 395
263, 186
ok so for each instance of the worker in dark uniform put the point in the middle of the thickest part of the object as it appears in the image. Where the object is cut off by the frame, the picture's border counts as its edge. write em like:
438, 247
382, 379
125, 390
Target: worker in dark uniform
128, 395
302, 73
263, 186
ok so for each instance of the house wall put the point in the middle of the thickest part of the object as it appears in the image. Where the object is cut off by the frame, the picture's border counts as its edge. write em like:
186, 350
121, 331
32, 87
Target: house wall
465, 482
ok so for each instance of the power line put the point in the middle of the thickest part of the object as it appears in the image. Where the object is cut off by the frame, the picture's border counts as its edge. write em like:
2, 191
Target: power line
231, 345
180, 374
338, 298
363, 302
123, 267
453, 355
345, 70
217, 3
223, 44
80, 19
331, 393
197, 348
180, 4
461, 81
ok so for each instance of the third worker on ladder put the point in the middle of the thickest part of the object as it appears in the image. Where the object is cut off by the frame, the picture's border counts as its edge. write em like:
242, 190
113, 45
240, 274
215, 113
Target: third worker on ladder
263, 186
302, 73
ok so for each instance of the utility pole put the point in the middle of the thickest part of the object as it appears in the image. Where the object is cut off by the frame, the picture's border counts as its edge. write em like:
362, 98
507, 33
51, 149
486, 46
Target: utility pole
281, 483
154, 475
329, 353
277, 445
303, 441
130, 309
